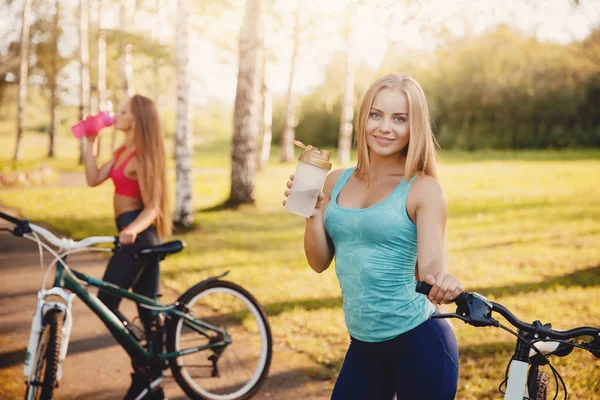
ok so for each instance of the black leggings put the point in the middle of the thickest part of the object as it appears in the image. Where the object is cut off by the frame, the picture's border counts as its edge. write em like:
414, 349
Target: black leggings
419, 364
127, 271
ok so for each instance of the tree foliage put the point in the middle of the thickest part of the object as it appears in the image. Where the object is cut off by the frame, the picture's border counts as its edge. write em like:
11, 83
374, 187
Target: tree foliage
501, 89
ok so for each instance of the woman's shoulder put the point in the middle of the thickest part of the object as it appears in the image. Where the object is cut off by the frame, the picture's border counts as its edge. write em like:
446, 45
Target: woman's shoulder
332, 179
427, 188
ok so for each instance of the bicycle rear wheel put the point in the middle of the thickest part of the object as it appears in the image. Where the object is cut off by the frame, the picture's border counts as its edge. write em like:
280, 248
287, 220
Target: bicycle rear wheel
233, 372
46, 365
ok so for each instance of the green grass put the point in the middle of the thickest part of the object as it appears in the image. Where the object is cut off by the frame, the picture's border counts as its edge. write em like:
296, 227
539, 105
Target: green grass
523, 229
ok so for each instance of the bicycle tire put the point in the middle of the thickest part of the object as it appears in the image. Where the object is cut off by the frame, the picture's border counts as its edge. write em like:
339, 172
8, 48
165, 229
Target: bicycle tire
49, 345
538, 389
173, 332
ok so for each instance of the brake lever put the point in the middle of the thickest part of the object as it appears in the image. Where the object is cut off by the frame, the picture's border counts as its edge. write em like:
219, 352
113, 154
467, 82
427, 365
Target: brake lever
476, 310
594, 346
452, 315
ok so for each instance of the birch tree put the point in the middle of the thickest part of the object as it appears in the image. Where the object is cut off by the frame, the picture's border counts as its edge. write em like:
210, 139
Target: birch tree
247, 107
23, 77
290, 121
266, 118
184, 138
84, 68
52, 81
126, 89
347, 112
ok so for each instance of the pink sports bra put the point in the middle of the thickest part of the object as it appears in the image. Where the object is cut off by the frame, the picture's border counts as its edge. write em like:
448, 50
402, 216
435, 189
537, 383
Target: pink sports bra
124, 185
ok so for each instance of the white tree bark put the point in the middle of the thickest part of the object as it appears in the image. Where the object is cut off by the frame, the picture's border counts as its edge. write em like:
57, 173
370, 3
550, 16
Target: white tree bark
102, 96
159, 18
347, 112
266, 120
23, 78
52, 82
247, 107
84, 68
126, 15
126, 90
184, 138
289, 122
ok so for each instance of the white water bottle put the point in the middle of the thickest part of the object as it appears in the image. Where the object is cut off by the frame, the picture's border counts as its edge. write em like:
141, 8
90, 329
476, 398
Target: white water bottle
312, 169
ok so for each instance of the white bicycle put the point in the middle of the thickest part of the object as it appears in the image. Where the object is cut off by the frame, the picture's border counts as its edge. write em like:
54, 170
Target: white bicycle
535, 344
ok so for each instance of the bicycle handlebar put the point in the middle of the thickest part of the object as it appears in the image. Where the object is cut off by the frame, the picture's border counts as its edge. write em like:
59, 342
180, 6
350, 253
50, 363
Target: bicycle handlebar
476, 310
13, 220
62, 243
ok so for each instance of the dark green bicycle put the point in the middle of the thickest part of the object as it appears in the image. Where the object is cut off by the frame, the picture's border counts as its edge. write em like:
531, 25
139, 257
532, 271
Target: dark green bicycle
215, 338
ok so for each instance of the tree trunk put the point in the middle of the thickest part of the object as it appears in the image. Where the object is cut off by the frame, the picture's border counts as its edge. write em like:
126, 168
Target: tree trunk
126, 60
126, 89
52, 82
184, 137
247, 107
84, 69
266, 120
288, 132
159, 20
23, 78
102, 96
347, 112
101, 69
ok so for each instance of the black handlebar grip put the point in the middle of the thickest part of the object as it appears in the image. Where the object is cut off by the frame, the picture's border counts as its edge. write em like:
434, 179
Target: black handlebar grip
13, 220
423, 288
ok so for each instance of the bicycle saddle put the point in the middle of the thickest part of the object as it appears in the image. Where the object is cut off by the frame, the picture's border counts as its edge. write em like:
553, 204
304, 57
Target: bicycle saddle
163, 250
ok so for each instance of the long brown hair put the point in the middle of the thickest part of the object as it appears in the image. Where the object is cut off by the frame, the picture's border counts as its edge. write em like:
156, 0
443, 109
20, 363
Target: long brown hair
421, 148
151, 159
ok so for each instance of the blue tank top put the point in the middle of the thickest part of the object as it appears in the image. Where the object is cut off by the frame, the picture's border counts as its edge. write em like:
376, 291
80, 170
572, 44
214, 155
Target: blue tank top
375, 257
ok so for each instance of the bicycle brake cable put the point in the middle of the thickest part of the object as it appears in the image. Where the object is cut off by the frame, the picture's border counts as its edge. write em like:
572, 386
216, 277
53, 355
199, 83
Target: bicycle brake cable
40, 249
505, 376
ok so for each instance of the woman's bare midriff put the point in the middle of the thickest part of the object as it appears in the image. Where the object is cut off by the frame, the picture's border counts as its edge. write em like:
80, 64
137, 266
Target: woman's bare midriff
123, 204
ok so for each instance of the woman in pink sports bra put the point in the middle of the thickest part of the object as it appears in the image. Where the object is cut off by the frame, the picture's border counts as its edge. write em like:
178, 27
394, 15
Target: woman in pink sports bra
138, 171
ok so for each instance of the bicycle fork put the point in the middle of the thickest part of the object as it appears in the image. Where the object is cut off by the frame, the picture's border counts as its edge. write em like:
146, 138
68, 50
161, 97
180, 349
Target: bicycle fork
38, 326
524, 365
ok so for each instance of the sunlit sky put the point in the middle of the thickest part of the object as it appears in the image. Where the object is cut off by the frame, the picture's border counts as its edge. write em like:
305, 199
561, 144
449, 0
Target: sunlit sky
377, 24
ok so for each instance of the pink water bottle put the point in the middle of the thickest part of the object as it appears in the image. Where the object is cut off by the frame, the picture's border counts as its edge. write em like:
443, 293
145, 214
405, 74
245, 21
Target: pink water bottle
92, 125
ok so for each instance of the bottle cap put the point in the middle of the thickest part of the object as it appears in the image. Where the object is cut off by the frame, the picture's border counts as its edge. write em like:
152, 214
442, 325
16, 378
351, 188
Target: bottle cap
312, 155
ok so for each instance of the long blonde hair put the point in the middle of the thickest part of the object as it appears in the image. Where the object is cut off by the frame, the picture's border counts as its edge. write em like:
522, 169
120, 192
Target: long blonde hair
151, 159
421, 147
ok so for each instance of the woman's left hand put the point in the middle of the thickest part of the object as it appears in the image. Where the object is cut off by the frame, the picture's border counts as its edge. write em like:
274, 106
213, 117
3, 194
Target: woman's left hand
445, 287
127, 236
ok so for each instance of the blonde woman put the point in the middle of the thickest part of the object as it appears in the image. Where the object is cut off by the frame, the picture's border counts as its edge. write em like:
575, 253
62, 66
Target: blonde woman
384, 221
138, 171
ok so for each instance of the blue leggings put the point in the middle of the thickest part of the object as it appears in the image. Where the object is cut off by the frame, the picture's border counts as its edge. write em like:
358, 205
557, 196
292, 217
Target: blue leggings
419, 364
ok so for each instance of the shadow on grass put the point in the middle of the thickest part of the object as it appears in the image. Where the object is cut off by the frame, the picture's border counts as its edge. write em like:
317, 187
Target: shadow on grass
583, 278
281, 307
16, 357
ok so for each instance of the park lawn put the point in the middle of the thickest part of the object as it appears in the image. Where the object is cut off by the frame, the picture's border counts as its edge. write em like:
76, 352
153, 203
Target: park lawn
523, 231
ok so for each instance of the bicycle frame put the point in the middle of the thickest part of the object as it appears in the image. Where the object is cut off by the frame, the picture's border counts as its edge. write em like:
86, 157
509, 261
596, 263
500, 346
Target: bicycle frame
67, 279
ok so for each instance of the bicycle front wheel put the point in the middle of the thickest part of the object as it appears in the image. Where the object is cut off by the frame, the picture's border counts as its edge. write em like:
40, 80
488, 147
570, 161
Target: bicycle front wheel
235, 371
46, 364
538, 386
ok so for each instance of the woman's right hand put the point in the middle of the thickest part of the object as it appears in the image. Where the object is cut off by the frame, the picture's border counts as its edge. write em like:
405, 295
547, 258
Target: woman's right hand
319, 199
